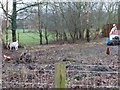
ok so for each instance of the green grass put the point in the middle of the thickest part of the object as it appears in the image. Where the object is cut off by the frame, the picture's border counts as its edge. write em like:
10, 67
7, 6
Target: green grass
29, 37
33, 37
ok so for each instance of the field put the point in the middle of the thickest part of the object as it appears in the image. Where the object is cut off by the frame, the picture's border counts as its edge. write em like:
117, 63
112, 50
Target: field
28, 37
87, 65
32, 37
76, 53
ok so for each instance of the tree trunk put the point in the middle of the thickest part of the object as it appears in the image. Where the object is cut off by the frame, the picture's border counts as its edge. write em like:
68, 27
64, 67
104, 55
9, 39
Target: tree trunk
119, 15
46, 37
6, 23
40, 35
80, 36
14, 15
64, 36
1, 36
56, 35
76, 33
88, 35
39, 24
60, 36
72, 36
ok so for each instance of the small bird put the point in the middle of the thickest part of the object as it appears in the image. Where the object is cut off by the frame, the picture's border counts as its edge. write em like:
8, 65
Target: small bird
7, 58
108, 51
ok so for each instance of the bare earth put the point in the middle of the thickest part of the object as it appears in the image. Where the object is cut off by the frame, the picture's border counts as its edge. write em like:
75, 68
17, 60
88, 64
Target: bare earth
93, 53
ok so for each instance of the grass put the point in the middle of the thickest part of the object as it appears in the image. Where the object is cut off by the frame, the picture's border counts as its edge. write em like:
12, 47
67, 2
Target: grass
29, 37
32, 38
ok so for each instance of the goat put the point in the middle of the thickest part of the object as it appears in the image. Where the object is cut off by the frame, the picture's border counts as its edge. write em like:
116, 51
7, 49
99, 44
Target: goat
14, 44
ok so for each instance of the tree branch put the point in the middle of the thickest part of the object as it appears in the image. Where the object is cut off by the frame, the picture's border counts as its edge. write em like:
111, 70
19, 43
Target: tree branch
24, 17
4, 11
28, 6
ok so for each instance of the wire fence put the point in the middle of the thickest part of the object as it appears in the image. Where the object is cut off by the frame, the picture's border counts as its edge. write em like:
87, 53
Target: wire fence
77, 76
91, 78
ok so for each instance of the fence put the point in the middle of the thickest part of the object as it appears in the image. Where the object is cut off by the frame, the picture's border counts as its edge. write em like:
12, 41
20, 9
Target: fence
77, 76
91, 78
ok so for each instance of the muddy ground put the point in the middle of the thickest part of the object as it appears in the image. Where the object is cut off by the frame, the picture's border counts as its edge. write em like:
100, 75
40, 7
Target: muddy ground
31, 57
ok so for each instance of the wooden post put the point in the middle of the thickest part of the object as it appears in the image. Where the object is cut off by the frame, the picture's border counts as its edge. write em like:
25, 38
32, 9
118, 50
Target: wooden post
60, 75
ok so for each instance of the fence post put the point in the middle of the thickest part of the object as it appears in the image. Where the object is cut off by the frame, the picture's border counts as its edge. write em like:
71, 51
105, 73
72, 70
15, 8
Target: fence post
60, 75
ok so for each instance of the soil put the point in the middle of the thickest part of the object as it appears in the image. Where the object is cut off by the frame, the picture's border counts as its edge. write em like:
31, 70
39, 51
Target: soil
24, 60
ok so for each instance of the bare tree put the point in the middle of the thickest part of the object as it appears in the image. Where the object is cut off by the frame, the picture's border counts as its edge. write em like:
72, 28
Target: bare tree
63, 21
6, 23
13, 16
1, 35
119, 13
110, 8
39, 24
46, 24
